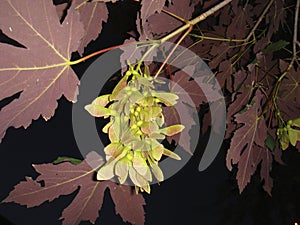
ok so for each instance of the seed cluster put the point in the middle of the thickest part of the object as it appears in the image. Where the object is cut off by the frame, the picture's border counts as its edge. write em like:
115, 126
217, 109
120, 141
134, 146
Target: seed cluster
135, 128
289, 133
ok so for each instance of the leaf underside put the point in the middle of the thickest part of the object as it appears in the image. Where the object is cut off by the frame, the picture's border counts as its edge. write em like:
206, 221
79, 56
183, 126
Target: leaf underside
247, 147
65, 178
41, 70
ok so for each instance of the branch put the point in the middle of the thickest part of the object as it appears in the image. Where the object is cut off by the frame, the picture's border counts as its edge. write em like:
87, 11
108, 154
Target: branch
173, 50
259, 20
198, 19
175, 16
294, 58
188, 24
295, 38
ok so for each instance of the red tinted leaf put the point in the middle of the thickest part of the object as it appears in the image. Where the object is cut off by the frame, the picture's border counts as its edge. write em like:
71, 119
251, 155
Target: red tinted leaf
290, 86
289, 92
266, 167
92, 15
65, 178
60, 9
180, 114
247, 145
241, 20
41, 71
130, 54
275, 17
223, 56
261, 70
289, 111
192, 91
260, 44
195, 88
128, 204
162, 23
243, 90
149, 7
113, 1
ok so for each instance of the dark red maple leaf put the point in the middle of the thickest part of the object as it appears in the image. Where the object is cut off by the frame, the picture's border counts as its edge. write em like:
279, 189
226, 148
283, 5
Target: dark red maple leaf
242, 20
130, 54
266, 158
192, 92
41, 71
260, 71
243, 88
247, 148
92, 15
290, 87
221, 54
276, 16
288, 111
149, 7
66, 178
60, 9
196, 87
162, 23
181, 114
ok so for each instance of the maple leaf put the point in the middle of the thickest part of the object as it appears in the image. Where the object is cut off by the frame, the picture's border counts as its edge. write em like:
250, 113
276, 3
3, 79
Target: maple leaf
92, 15
288, 96
266, 166
149, 7
219, 53
40, 71
60, 9
194, 88
162, 23
290, 86
260, 70
181, 114
242, 19
130, 54
222, 54
243, 89
192, 91
247, 148
65, 178
276, 17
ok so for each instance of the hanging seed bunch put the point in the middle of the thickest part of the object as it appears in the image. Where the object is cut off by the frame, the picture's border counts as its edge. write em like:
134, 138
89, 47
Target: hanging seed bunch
135, 129
289, 133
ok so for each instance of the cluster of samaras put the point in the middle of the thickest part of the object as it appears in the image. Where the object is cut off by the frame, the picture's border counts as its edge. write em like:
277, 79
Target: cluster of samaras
289, 133
135, 128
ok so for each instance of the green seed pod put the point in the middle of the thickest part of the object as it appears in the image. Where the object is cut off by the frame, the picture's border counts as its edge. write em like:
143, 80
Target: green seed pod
135, 126
122, 168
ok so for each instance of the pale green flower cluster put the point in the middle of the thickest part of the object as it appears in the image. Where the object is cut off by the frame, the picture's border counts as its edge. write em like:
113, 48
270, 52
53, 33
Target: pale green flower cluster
135, 128
289, 134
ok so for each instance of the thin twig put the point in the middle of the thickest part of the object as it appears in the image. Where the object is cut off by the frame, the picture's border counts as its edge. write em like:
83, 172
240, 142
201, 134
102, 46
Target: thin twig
295, 38
188, 24
172, 51
259, 20
198, 19
294, 58
175, 16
